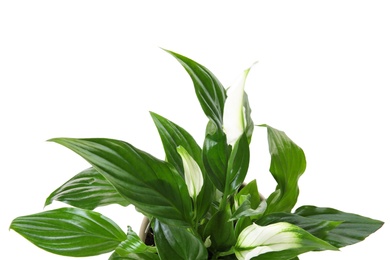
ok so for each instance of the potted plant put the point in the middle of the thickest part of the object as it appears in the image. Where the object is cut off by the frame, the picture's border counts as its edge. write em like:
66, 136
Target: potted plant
195, 199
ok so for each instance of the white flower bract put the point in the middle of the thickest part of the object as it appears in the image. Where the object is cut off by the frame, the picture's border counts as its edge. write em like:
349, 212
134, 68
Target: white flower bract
192, 173
256, 240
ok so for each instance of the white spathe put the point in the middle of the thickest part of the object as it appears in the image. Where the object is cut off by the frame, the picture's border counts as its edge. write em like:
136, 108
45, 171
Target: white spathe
192, 173
256, 240
234, 112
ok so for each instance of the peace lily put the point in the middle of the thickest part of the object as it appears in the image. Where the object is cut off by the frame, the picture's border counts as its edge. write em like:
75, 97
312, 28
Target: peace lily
205, 213
192, 173
234, 121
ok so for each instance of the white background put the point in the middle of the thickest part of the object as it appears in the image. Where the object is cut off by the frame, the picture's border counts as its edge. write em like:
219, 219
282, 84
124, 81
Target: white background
95, 69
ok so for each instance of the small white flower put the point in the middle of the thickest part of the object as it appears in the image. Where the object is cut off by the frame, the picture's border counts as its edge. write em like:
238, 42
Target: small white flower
234, 112
192, 173
256, 240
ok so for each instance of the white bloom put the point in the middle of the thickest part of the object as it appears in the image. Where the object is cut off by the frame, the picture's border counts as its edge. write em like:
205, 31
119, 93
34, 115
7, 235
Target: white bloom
233, 114
192, 173
256, 240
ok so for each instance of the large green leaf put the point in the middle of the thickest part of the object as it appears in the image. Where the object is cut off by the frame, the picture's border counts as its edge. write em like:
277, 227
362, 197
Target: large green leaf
135, 256
177, 243
354, 228
173, 136
288, 163
152, 185
238, 164
221, 231
210, 92
87, 190
316, 227
70, 231
133, 245
211, 95
215, 155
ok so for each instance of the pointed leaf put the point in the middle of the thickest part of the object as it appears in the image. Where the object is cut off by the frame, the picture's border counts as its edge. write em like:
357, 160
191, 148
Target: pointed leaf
353, 229
215, 155
177, 243
173, 136
251, 189
70, 231
316, 227
152, 185
221, 231
208, 89
248, 119
87, 190
238, 164
133, 245
245, 209
288, 163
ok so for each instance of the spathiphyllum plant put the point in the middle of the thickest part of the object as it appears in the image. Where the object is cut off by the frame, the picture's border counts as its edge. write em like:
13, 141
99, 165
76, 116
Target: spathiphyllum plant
197, 199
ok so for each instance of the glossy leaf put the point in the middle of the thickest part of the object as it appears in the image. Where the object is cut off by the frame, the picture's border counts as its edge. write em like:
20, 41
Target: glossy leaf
245, 209
177, 243
249, 125
221, 231
152, 185
210, 92
135, 256
173, 136
316, 227
288, 163
353, 229
215, 155
87, 190
251, 189
133, 245
281, 240
238, 164
70, 231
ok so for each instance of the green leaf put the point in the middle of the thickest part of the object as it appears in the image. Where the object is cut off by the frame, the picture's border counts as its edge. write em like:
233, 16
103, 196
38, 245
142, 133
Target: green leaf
245, 209
173, 136
251, 189
221, 231
87, 190
135, 256
153, 186
238, 164
175, 242
215, 155
353, 229
316, 227
288, 163
276, 241
210, 92
70, 231
133, 245
248, 119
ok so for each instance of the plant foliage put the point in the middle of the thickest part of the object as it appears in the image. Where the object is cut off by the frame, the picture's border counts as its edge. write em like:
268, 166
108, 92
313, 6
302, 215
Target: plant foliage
196, 199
